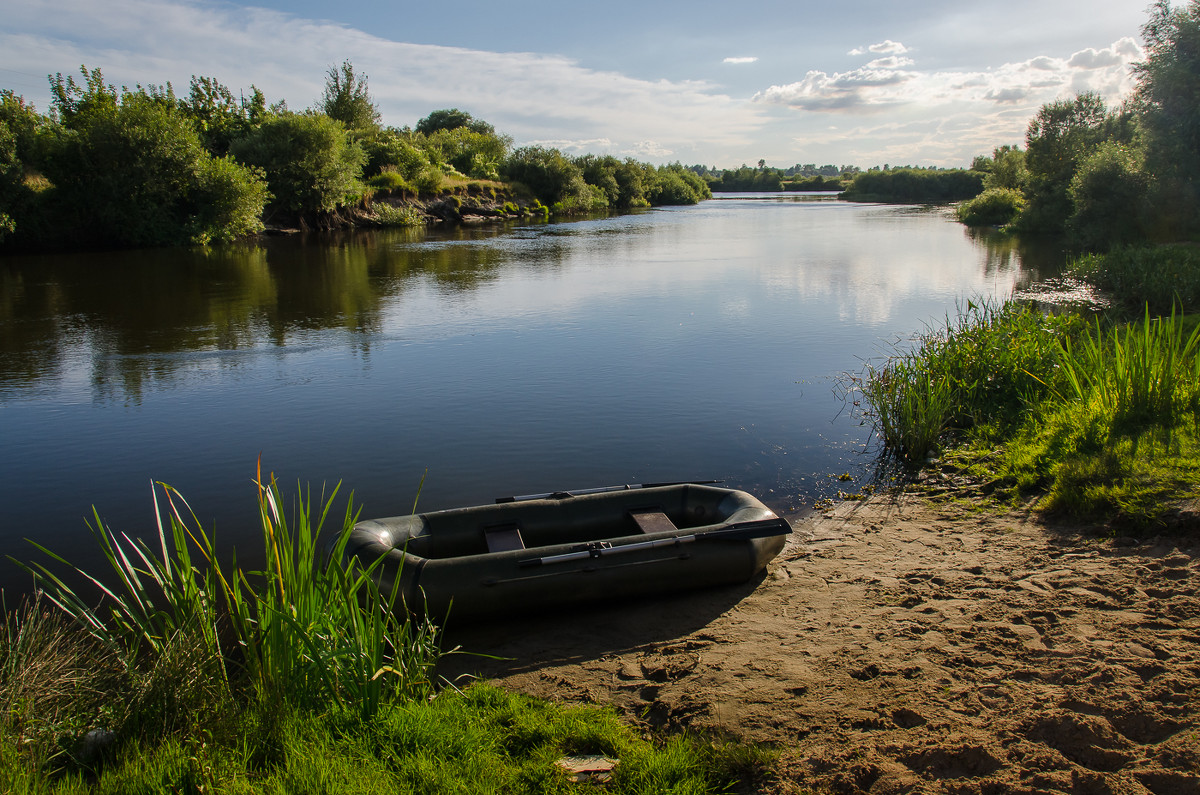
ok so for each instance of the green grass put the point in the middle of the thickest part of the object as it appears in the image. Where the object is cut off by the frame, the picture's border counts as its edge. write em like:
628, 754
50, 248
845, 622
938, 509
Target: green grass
1092, 420
976, 370
1160, 277
480, 740
200, 676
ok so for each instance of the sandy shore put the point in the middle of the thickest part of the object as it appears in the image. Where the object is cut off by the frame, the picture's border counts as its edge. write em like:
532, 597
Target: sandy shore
896, 646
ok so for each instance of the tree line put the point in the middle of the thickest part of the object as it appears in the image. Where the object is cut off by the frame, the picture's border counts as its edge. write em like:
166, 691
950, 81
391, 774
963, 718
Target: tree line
766, 178
1105, 176
147, 167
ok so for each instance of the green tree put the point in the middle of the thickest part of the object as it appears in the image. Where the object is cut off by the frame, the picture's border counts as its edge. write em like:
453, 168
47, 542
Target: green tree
347, 100
311, 165
21, 143
393, 149
1108, 193
218, 116
130, 169
601, 173
451, 119
11, 177
74, 105
1059, 137
25, 124
1168, 98
551, 176
477, 154
1007, 169
674, 184
993, 207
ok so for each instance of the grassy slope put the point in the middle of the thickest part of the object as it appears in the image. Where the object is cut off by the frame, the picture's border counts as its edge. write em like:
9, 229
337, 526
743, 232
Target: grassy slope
1095, 419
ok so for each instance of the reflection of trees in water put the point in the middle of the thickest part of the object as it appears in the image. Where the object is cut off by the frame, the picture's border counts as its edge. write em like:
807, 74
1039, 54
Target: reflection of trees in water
29, 342
134, 318
1032, 259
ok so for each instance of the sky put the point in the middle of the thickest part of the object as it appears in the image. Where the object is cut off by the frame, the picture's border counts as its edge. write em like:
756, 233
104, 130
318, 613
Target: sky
863, 82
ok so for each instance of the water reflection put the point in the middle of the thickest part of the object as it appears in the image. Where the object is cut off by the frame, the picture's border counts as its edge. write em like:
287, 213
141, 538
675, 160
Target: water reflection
132, 319
670, 344
1032, 259
126, 321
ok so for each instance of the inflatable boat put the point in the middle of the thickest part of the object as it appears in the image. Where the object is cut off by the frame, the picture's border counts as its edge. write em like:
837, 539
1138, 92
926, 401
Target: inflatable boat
566, 548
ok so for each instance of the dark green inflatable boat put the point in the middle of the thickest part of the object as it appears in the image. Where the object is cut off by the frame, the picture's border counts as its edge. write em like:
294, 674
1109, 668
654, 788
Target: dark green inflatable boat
551, 550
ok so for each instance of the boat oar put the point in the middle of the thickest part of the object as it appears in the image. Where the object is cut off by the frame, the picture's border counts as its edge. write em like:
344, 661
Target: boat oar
562, 495
739, 531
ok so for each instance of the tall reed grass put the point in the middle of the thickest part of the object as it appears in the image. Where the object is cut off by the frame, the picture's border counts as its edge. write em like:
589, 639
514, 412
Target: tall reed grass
1141, 374
1100, 420
305, 630
1162, 278
196, 675
974, 371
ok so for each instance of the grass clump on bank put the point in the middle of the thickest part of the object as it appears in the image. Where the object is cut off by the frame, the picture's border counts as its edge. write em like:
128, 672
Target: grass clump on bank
1162, 277
1098, 419
193, 675
993, 207
972, 374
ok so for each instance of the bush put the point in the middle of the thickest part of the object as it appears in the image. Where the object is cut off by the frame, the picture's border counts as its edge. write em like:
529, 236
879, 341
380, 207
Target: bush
137, 174
552, 177
1163, 277
310, 163
1109, 193
11, 177
590, 199
391, 215
817, 183
674, 186
993, 207
388, 179
428, 180
392, 149
915, 185
228, 201
478, 154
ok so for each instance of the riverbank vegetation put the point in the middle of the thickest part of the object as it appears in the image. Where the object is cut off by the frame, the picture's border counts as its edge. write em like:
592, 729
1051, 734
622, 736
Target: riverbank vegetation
145, 167
1095, 417
1111, 176
767, 179
195, 675
913, 184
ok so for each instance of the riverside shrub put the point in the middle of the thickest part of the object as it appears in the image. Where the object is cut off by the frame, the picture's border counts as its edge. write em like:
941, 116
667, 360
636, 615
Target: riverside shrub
135, 173
993, 207
311, 165
1109, 194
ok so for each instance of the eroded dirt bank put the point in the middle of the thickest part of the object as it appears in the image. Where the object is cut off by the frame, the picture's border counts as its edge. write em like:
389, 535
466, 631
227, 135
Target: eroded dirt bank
899, 647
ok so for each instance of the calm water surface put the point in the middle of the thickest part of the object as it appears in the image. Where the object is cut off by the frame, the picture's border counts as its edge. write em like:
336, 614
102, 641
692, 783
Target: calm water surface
690, 343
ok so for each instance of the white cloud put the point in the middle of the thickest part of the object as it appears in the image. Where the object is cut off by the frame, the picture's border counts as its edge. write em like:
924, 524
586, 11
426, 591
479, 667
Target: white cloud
858, 90
891, 62
528, 95
889, 82
650, 149
742, 59
887, 47
597, 146
906, 115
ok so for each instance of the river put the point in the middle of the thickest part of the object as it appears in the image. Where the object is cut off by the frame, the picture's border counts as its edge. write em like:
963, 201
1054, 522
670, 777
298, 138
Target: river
701, 342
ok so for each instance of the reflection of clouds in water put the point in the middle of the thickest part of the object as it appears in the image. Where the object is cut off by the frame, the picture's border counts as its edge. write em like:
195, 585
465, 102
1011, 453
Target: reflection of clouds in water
868, 288
860, 263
